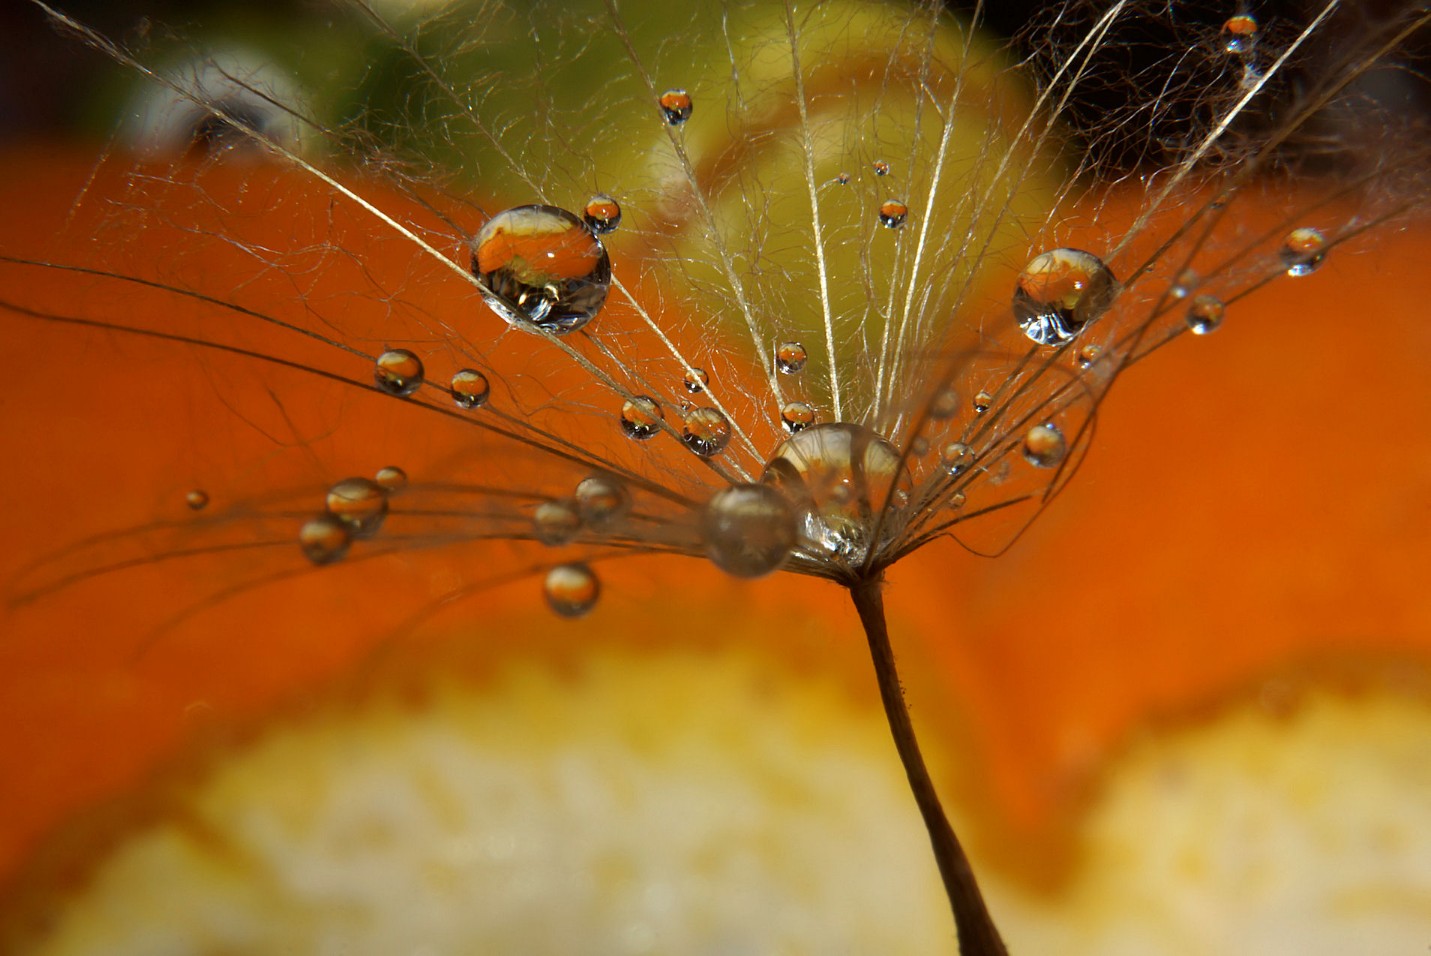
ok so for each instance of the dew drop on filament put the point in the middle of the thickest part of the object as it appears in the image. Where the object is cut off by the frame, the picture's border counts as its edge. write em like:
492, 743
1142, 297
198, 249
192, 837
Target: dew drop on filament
571, 589
1303, 251
398, 372
1205, 314
602, 214
749, 530
1059, 292
1239, 34
880, 167
1087, 355
197, 500
696, 381
470, 388
641, 417
790, 357
391, 478
956, 457
797, 416
542, 266
324, 539
705, 431
556, 522
360, 503
1044, 446
892, 213
677, 106
601, 501
982, 402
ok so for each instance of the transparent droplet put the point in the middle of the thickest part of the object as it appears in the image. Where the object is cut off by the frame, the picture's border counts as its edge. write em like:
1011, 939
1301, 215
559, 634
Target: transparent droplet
556, 522
324, 539
601, 501
919, 447
571, 589
470, 388
398, 372
1184, 284
360, 503
641, 417
197, 500
542, 266
892, 213
982, 402
1239, 34
837, 477
1088, 354
944, 405
677, 106
1205, 314
602, 214
1044, 446
1303, 251
956, 500
843, 179
956, 457
1061, 291
696, 381
749, 530
797, 416
790, 357
880, 167
391, 479
705, 431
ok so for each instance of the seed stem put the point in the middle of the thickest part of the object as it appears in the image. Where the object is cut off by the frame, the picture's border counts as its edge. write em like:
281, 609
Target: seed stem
977, 933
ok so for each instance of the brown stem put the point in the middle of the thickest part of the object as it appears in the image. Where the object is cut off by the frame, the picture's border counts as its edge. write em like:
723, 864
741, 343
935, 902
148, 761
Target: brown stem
977, 934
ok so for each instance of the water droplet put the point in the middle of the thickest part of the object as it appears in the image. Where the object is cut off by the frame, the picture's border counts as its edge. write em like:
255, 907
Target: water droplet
944, 405
956, 457
197, 500
1184, 284
677, 106
790, 357
749, 530
360, 503
1061, 291
837, 477
601, 501
641, 417
470, 388
602, 214
556, 522
919, 447
1088, 354
1239, 34
892, 213
1205, 314
391, 479
797, 416
982, 401
398, 372
541, 265
843, 179
1044, 446
956, 500
696, 381
705, 431
571, 589
881, 168
324, 539
1303, 251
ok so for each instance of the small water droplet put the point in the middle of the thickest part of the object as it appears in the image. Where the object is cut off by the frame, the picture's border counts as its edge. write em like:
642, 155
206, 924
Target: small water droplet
391, 479
360, 503
944, 405
1061, 291
1088, 354
541, 265
880, 167
790, 357
470, 388
919, 447
1239, 34
324, 539
705, 431
1044, 446
641, 417
696, 381
843, 179
197, 500
602, 501
1184, 284
749, 530
797, 416
956, 457
556, 522
571, 589
398, 372
982, 401
1303, 251
1205, 314
602, 214
677, 106
892, 213
956, 500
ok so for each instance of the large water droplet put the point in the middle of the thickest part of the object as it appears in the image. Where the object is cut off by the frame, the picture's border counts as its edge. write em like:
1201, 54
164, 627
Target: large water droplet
391, 479
1239, 34
797, 416
790, 357
1205, 314
641, 417
1061, 291
677, 106
749, 530
398, 372
360, 503
541, 265
197, 500
470, 388
1044, 446
602, 501
571, 589
837, 477
956, 457
696, 381
556, 522
705, 431
324, 539
1303, 251
602, 214
892, 213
